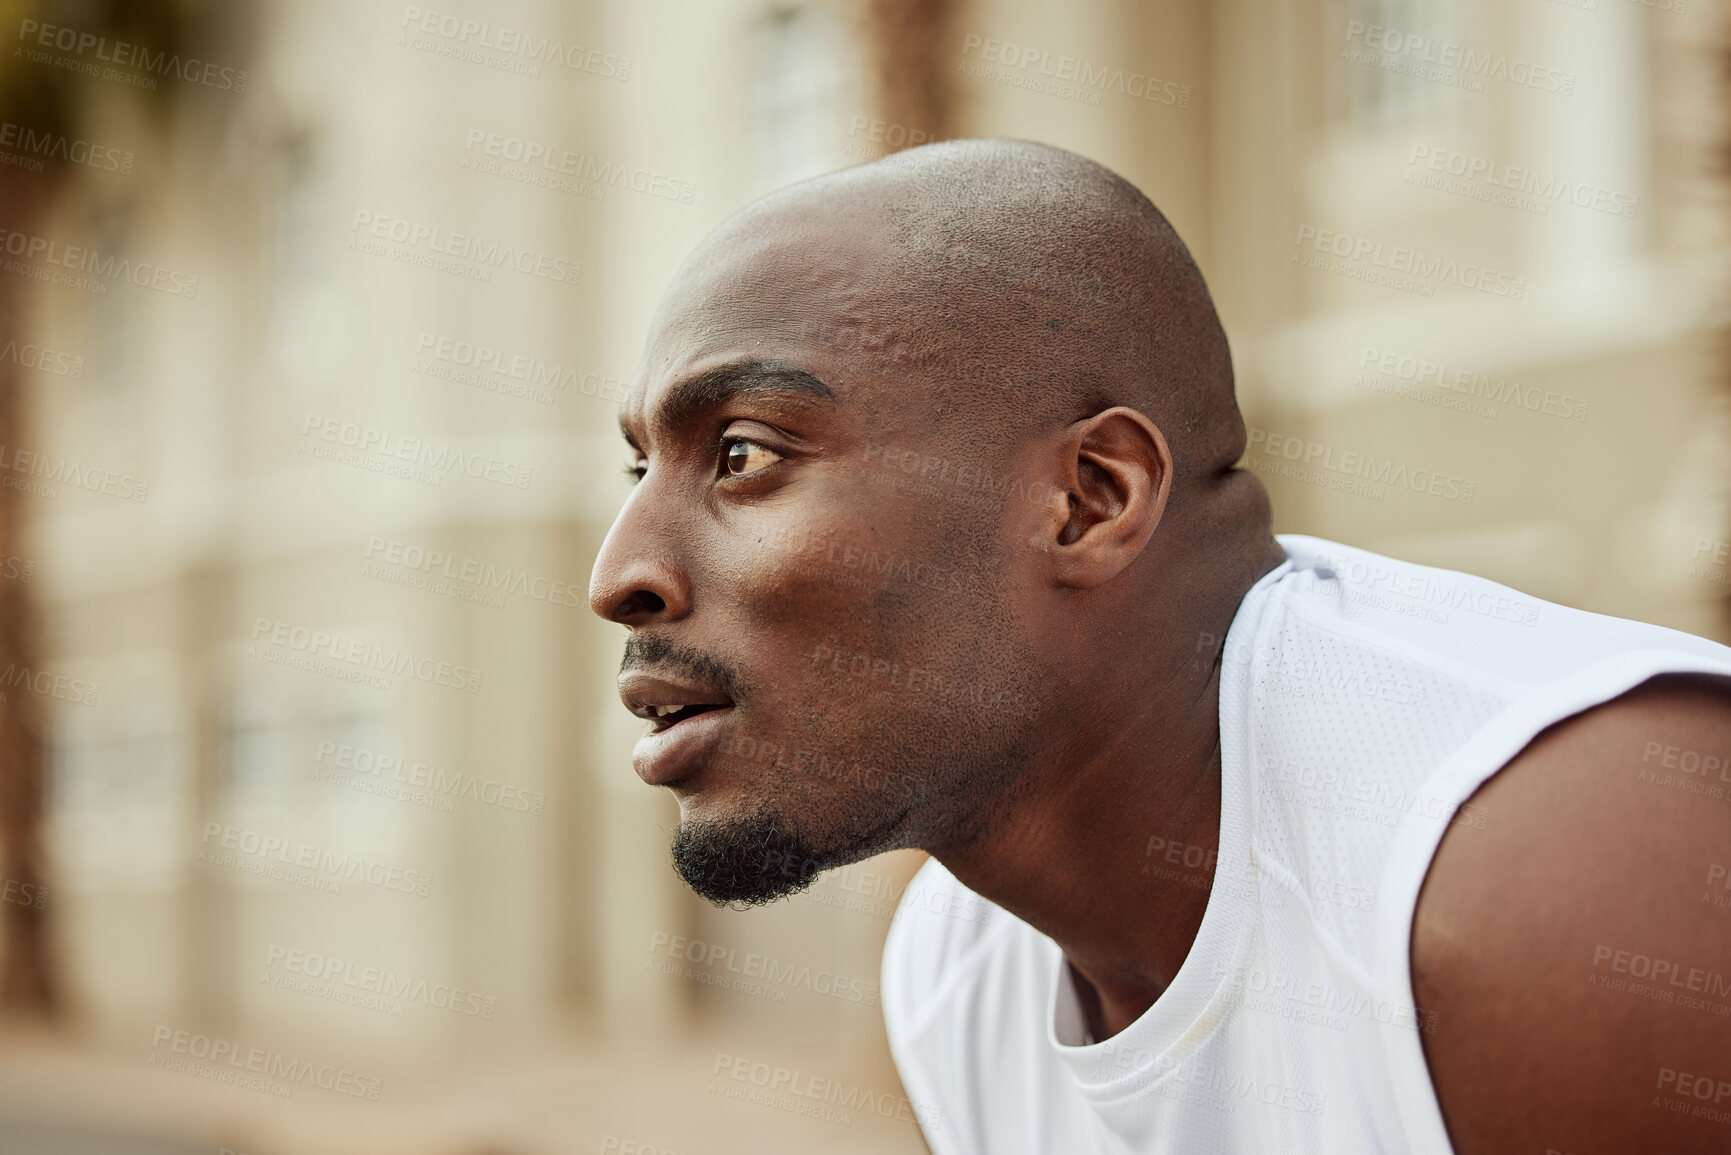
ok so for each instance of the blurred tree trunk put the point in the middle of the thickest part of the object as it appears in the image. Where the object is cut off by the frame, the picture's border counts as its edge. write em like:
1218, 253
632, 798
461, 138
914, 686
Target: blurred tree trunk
913, 61
41, 99
46, 100
28, 987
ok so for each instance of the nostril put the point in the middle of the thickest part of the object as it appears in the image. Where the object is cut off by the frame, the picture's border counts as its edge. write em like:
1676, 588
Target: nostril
638, 603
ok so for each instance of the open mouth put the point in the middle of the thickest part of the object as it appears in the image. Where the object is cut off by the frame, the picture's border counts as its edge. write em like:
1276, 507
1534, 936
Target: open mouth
666, 717
666, 703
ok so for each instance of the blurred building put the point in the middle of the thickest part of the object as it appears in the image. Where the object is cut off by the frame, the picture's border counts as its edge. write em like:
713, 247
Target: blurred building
349, 703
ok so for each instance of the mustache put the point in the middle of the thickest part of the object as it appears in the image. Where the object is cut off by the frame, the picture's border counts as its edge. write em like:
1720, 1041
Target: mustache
653, 653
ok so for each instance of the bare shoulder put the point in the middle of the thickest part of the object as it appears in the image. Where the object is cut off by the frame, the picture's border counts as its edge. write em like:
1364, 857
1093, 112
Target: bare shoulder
1576, 950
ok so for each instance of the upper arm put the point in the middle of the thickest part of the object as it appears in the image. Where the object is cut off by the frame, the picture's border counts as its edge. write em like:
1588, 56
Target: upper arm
1576, 950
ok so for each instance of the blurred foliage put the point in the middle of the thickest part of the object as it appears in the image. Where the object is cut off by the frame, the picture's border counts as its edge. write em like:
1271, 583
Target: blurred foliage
56, 99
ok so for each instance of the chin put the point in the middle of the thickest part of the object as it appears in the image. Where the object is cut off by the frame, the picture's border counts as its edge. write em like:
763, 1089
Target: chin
745, 858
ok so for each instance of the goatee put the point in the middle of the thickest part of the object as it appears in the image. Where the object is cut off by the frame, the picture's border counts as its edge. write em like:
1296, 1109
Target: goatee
746, 861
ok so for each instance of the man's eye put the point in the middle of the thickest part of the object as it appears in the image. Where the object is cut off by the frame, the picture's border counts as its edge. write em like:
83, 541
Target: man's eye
740, 457
636, 470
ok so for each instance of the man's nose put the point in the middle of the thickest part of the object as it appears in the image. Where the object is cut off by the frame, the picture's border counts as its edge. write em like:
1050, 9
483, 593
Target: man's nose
637, 578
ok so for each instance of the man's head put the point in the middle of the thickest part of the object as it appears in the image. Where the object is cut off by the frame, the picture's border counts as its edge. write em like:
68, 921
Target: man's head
932, 451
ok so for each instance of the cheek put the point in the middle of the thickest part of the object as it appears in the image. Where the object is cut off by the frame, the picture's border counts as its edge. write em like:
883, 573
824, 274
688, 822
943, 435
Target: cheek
833, 612
800, 581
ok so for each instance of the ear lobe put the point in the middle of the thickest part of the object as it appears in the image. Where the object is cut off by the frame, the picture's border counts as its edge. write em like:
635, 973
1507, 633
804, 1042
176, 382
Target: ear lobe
1118, 472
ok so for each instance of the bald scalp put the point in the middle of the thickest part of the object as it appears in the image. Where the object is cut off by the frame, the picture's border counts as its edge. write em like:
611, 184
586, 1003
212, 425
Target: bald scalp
1028, 288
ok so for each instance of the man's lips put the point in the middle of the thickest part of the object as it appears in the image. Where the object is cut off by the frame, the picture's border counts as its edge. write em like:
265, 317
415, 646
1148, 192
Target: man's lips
683, 717
666, 702
668, 754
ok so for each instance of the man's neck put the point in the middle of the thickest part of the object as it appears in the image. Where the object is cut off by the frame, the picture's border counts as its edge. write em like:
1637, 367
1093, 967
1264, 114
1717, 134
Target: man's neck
1108, 844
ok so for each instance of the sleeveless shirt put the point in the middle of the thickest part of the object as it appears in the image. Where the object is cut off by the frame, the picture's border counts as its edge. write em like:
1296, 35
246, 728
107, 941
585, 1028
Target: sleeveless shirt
1362, 701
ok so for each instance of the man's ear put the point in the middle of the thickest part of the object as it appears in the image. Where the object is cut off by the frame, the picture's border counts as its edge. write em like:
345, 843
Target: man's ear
1115, 473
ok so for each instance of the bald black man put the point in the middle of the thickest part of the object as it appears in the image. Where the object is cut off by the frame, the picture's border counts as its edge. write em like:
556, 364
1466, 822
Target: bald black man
1239, 843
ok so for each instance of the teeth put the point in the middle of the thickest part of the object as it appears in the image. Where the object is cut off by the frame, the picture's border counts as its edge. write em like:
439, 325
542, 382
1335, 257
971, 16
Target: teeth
663, 711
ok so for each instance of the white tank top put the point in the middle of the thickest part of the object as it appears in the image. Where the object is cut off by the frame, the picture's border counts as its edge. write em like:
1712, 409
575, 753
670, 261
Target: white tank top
1362, 701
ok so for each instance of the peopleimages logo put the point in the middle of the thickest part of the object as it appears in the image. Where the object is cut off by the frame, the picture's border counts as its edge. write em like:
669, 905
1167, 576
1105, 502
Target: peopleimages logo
44, 473
1701, 1096
348, 762
794, 1091
48, 684
257, 1062
885, 133
764, 968
1398, 259
1422, 593
42, 359
1419, 371
164, 63
294, 854
31, 894
82, 260
479, 36
334, 978
42, 143
1488, 179
1354, 470
1452, 63
363, 655
393, 449
472, 571
479, 364
1661, 970
1092, 78
416, 243
580, 166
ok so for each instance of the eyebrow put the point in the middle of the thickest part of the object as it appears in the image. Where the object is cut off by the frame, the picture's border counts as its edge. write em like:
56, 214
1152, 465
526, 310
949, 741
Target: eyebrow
749, 378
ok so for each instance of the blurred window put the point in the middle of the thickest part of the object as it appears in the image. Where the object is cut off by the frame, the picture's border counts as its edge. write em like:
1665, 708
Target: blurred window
1383, 86
804, 86
119, 798
361, 788
255, 766
114, 326
309, 328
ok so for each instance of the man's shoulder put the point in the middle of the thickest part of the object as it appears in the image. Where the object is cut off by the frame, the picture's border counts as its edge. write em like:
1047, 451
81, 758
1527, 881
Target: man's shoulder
1576, 951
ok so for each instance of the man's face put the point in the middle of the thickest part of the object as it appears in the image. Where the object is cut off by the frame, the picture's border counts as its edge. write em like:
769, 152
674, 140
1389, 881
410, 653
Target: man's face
817, 567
